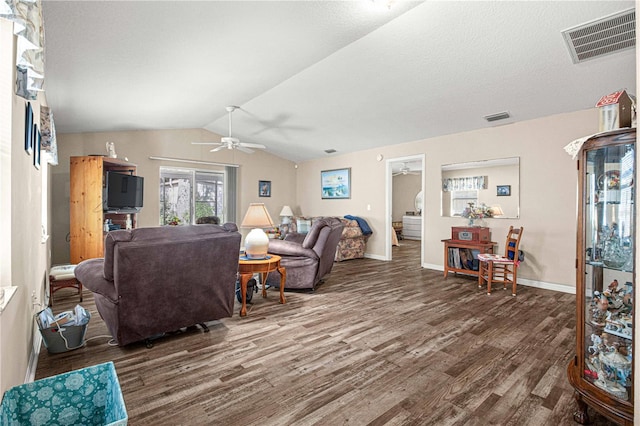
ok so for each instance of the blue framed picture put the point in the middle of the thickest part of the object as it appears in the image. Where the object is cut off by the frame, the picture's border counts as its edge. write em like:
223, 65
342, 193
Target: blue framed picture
503, 190
336, 184
28, 129
264, 188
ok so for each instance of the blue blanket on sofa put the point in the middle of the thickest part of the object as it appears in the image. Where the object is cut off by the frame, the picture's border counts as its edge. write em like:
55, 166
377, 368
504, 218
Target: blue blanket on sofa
362, 223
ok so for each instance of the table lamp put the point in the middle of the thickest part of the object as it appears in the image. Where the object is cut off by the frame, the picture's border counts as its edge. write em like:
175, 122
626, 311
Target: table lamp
496, 211
286, 214
256, 243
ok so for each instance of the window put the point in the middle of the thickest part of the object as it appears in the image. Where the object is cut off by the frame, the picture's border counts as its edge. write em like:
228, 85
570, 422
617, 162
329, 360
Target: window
189, 194
461, 199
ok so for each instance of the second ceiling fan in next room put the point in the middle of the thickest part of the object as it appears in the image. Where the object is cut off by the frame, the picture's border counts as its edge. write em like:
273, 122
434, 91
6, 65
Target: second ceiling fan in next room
404, 170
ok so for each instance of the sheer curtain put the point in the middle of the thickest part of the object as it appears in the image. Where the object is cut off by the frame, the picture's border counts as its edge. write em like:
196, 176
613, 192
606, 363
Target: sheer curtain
464, 183
231, 182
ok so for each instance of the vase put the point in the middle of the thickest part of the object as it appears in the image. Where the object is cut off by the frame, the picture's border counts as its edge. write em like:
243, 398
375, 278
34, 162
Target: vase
614, 254
471, 221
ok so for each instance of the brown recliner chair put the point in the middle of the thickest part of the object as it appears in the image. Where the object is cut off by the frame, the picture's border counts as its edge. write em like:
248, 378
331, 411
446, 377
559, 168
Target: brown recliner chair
307, 258
157, 280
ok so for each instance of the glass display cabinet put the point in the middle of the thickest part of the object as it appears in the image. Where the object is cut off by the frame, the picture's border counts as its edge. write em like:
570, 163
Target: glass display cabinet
602, 370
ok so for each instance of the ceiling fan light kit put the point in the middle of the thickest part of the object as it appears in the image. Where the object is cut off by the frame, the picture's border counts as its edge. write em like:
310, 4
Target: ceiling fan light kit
230, 142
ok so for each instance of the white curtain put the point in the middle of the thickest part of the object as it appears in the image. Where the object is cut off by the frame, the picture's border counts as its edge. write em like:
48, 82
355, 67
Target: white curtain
464, 183
27, 18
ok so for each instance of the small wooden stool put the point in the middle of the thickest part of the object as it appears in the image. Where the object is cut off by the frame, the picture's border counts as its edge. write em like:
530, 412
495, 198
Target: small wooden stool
60, 277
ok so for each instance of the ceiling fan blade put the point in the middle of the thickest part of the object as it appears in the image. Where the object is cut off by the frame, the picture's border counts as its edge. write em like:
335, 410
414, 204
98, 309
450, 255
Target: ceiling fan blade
205, 143
221, 147
243, 149
251, 145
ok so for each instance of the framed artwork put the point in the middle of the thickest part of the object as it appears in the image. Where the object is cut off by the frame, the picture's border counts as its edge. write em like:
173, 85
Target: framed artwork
503, 190
264, 188
37, 143
28, 129
336, 184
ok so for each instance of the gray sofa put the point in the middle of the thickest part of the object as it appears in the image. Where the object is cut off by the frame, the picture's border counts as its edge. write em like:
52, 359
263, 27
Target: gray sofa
157, 280
307, 258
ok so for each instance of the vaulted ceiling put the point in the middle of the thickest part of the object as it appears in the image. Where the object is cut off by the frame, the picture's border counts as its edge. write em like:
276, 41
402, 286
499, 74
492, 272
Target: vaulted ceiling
316, 75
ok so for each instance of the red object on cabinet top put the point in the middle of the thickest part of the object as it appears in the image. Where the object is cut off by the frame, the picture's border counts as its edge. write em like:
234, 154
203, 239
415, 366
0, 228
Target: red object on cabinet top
470, 233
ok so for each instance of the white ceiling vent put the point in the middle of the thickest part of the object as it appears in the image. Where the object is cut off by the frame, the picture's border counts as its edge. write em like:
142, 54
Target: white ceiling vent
601, 37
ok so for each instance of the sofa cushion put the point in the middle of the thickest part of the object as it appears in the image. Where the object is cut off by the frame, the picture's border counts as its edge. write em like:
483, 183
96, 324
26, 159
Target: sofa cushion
303, 225
351, 229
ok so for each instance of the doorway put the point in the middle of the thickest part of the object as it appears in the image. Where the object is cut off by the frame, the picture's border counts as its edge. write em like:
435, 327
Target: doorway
409, 187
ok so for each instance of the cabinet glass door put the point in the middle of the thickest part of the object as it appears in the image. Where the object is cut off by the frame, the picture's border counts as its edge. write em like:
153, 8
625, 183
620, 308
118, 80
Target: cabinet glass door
609, 255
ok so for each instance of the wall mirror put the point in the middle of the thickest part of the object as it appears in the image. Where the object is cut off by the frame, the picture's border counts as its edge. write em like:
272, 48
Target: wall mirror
495, 183
418, 202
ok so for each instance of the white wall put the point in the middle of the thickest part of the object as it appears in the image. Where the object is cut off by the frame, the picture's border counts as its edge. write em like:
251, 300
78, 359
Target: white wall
548, 179
405, 189
24, 257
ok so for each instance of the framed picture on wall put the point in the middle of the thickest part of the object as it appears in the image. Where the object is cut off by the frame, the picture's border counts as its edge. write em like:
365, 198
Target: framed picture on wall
264, 188
503, 190
37, 143
28, 129
336, 184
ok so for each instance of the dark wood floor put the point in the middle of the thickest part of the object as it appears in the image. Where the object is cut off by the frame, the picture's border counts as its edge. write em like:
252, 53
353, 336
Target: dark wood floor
379, 343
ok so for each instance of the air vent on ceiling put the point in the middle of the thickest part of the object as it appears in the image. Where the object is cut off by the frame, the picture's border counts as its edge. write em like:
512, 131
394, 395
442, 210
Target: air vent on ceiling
601, 37
330, 151
496, 117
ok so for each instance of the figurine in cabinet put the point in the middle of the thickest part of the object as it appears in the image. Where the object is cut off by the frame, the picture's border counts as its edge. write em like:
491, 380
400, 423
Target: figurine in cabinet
599, 309
614, 370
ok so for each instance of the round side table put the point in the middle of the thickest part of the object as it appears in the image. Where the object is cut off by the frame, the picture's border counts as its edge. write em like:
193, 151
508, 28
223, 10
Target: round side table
248, 267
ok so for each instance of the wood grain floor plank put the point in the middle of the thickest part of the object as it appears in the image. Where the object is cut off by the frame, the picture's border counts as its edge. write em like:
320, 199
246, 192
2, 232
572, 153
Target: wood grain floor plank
378, 343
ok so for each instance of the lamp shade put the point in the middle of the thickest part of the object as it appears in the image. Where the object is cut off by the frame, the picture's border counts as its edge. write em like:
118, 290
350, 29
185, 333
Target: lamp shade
257, 217
496, 211
286, 211
256, 243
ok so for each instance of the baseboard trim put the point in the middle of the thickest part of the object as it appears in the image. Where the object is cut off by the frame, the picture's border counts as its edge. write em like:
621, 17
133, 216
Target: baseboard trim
375, 257
33, 358
522, 281
547, 286
432, 266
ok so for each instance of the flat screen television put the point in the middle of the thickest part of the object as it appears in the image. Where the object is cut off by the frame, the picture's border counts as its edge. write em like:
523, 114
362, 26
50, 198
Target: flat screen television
123, 192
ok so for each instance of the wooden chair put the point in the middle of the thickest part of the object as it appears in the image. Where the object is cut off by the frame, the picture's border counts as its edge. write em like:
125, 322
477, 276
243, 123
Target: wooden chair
397, 228
502, 269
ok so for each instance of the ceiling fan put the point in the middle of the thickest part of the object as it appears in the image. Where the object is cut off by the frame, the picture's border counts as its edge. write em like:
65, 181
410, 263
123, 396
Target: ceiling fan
404, 170
230, 142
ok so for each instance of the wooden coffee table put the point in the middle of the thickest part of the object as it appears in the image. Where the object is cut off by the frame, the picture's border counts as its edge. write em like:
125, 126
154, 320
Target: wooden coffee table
246, 269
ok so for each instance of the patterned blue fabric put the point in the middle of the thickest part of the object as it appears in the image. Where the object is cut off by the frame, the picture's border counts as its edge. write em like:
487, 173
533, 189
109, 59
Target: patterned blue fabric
89, 396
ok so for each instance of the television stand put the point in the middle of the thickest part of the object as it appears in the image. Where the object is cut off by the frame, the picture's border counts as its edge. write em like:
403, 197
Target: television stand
86, 201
